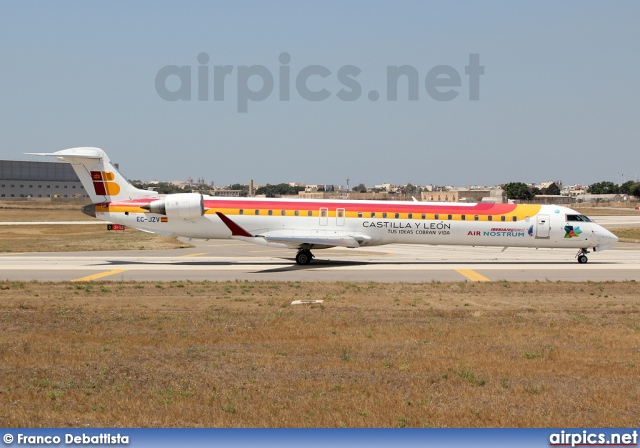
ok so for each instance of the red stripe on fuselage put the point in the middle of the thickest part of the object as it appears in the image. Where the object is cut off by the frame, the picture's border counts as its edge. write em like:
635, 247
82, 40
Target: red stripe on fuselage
359, 206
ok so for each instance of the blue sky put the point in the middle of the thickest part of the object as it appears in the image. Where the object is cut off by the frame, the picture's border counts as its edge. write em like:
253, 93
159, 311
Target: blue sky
559, 97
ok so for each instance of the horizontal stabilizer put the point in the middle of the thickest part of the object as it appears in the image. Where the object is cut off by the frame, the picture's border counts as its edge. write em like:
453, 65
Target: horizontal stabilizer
77, 153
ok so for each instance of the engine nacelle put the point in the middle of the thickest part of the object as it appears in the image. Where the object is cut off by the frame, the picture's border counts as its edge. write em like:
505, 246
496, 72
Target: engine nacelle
180, 205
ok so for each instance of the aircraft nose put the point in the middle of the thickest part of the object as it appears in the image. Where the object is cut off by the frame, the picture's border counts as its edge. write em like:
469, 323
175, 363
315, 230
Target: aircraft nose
607, 236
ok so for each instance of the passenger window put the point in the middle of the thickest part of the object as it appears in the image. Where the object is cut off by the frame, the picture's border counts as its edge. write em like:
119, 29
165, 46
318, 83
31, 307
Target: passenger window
436, 216
449, 217
503, 218
463, 217
359, 214
283, 212
397, 215
384, 215
296, 213
241, 212
373, 214
515, 218
476, 217
309, 213
340, 214
270, 212
490, 218
410, 216
323, 213
257, 212
424, 216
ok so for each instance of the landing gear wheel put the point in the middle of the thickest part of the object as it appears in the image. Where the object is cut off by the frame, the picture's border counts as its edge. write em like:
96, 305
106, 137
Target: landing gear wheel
582, 256
304, 257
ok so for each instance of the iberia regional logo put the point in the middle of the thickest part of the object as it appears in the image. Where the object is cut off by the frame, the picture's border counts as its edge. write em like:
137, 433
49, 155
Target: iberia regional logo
102, 183
572, 231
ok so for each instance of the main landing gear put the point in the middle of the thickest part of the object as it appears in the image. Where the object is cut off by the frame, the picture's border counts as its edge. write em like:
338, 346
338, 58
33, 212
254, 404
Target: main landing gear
304, 256
582, 256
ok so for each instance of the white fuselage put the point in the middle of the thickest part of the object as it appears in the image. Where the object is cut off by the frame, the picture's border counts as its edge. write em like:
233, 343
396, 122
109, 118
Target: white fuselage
456, 224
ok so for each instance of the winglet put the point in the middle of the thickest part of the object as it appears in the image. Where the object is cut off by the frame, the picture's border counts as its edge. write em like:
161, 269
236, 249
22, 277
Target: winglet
236, 230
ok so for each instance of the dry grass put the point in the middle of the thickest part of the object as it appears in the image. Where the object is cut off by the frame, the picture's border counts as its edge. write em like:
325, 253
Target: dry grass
599, 211
628, 235
42, 211
237, 354
53, 214
71, 238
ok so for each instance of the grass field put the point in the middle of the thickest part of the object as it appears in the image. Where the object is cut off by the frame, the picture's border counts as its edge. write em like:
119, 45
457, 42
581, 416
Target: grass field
237, 354
69, 238
628, 235
78, 237
26, 211
596, 211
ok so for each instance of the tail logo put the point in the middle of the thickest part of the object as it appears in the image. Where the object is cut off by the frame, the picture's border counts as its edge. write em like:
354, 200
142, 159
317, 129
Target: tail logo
103, 185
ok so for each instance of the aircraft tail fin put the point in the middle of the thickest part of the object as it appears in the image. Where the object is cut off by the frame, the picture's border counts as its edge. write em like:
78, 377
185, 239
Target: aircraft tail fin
98, 176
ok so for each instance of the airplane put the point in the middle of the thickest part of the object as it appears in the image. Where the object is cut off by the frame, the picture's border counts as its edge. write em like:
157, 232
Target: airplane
306, 225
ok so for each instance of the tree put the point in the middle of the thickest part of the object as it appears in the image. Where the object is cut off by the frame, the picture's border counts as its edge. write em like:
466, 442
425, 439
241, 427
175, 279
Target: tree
161, 187
518, 190
409, 190
551, 189
635, 189
604, 187
271, 191
625, 188
360, 188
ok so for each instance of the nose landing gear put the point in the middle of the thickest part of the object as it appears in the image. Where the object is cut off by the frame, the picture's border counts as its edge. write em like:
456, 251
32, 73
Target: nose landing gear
582, 256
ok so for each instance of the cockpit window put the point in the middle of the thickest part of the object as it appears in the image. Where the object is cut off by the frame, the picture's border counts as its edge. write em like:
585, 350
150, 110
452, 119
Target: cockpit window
580, 218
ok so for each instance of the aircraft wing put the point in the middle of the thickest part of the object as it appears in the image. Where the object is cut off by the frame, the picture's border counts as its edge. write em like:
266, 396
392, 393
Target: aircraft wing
315, 241
276, 239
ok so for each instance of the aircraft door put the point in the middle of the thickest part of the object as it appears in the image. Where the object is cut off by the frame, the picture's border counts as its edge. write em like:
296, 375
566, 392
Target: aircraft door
542, 226
324, 216
340, 216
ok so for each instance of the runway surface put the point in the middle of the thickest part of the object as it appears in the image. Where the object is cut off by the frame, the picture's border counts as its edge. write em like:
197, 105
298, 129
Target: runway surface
232, 260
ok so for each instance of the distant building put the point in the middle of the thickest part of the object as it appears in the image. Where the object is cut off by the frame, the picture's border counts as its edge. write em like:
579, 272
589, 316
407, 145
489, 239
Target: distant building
439, 196
555, 199
587, 197
24, 179
227, 193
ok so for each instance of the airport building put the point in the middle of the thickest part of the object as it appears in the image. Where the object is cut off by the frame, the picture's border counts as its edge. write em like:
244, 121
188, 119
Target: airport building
23, 179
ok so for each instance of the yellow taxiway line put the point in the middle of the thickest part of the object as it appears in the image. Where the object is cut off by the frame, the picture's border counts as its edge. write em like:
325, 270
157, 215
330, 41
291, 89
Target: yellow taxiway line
88, 278
472, 275
194, 255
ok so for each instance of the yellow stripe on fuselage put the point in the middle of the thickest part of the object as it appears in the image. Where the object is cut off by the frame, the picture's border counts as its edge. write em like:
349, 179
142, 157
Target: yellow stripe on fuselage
520, 212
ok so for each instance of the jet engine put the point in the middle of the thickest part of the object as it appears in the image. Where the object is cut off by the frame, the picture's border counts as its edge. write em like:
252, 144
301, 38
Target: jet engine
180, 205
